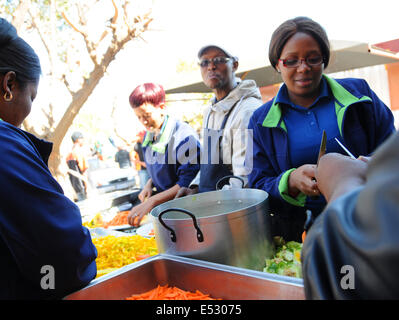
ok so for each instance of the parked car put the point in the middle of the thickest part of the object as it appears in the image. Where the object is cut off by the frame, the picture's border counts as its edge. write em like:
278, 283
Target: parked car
107, 178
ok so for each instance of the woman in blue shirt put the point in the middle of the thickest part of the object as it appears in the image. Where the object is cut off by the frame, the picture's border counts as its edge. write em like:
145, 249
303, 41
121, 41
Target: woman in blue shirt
287, 130
171, 150
45, 252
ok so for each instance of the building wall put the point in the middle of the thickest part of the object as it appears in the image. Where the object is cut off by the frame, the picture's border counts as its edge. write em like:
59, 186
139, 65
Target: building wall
376, 77
269, 92
393, 80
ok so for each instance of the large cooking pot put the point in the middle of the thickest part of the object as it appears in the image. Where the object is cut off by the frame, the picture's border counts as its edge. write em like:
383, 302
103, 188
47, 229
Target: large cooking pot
226, 226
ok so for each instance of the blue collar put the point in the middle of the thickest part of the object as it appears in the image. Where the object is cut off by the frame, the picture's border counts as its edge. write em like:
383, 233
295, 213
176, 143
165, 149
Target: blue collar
282, 95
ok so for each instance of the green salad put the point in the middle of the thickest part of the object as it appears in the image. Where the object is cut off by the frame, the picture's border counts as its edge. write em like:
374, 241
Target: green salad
287, 260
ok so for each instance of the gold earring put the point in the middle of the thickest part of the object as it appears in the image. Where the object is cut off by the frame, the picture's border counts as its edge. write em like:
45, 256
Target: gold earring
8, 96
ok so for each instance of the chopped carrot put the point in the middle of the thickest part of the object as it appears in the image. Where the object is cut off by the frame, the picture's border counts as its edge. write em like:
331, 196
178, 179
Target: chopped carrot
119, 219
303, 236
142, 256
170, 293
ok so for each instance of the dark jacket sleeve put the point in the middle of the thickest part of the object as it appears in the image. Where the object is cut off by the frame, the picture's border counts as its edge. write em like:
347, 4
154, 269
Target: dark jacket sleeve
352, 250
188, 154
383, 117
262, 175
39, 226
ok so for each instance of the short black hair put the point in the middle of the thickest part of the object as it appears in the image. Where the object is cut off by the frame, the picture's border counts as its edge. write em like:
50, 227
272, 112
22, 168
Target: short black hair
292, 26
17, 55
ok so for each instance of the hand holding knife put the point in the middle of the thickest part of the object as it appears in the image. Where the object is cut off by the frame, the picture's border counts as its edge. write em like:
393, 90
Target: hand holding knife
322, 152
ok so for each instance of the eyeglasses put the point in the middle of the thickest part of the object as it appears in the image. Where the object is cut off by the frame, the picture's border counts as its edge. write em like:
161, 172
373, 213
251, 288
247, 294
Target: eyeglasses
216, 61
310, 61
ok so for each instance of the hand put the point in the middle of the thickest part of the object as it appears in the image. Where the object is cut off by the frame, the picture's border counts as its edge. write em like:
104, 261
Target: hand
338, 174
186, 192
138, 212
364, 159
145, 193
303, 180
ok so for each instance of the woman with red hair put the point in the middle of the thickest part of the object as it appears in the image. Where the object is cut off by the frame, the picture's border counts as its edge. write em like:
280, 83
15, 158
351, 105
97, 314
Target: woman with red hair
171, 150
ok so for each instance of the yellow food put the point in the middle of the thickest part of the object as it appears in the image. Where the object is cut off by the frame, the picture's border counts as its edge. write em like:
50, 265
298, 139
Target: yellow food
97, 221
116, 252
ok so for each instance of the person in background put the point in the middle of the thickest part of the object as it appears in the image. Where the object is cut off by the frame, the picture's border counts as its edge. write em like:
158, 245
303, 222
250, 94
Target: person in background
225, 121
287, 130
139, 160
77, 164
122, 156
45, 252
98, 151
352, 249
171, 150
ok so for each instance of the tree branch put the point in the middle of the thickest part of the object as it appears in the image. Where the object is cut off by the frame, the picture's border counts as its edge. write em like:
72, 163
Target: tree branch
42, 38
50, 120
67, 85
72, 25
89, 45
19, 15
115, 124
125, 15
113, 21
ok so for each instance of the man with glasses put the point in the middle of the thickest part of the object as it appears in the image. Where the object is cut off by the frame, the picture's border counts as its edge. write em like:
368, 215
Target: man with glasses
225, 122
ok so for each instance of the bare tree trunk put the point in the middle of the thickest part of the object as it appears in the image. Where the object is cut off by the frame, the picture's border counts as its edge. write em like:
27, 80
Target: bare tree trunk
80, 97
78, 100
121, 29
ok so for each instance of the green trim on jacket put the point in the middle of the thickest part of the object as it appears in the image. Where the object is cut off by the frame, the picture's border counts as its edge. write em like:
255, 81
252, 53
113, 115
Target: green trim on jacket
343, 99
299, 200
165, 134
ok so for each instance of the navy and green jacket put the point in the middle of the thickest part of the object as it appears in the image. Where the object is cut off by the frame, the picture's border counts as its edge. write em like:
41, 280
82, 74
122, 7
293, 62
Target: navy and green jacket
174, 157
40, 228
364, 122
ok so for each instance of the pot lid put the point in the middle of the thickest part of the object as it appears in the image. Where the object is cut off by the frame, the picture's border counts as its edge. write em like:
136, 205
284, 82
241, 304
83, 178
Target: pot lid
212, 204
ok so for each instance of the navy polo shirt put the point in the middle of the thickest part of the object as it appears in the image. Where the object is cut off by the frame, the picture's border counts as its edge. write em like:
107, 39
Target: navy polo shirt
174, 157
305, 126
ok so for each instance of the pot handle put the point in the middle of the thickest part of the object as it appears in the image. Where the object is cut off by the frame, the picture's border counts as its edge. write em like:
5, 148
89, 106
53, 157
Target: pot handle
200, 236
228, 177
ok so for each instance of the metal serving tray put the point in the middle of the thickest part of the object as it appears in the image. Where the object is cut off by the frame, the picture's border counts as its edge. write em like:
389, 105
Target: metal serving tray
220, 281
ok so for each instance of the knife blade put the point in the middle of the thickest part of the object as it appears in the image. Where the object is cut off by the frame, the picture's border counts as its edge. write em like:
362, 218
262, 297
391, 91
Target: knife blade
323, 146
322, 152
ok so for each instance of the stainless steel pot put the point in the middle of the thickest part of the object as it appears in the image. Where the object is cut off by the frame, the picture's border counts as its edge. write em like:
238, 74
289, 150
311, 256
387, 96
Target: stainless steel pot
226, 226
